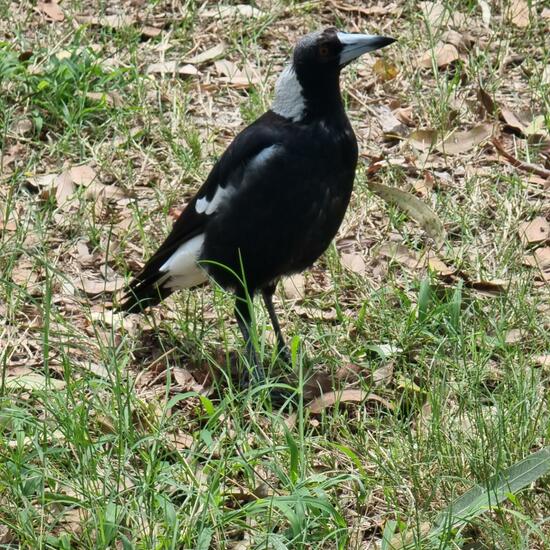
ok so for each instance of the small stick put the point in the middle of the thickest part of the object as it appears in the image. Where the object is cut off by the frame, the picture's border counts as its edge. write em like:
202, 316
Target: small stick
526, 166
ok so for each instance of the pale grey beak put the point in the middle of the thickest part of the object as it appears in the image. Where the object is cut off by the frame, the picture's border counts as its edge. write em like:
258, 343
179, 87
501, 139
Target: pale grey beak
356, 45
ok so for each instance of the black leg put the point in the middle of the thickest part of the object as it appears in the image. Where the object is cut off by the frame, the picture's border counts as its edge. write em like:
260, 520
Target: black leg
267, 294
243, 316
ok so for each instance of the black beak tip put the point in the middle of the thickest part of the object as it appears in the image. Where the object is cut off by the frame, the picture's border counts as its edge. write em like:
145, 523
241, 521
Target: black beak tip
386, 41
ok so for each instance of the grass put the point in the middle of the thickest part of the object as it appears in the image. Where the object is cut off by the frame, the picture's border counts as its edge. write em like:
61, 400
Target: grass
107, 440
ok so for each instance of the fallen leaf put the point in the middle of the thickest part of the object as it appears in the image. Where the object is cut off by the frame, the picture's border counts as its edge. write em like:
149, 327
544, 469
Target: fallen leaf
542, 361
460, 142
33, 381
462, 42
415, 208
316, 313
443, 54
207, 55
294, 287
172, 67
383, 375
112, 99
535, 231
346, 396
489, 287
391, 125
225, 12
384, 70
401, 254
485, 12
93, 287
439, 266
150, 32
51, 9
512, 122
115, 21
518, 13
83, 174
354, 262
97, 190
64, 188
515, 336
236, 77
540, 258
423, 140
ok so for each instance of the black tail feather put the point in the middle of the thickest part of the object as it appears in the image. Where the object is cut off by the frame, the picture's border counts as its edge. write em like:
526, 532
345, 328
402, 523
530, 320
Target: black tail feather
142, 295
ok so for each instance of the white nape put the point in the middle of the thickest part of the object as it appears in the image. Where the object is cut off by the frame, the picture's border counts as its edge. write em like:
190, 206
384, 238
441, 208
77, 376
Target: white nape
182, 268
289, 100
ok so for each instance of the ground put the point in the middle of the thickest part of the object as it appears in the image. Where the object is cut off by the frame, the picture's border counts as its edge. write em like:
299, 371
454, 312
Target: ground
424, 326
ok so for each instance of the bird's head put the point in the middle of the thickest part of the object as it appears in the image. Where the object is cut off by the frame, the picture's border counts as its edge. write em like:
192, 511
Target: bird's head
311, 80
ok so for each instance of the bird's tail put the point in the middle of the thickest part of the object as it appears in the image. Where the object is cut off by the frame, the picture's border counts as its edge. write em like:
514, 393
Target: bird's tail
144, 293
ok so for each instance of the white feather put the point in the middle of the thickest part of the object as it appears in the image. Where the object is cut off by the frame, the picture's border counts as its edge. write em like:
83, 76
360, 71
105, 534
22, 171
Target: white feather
182, 268
289, 100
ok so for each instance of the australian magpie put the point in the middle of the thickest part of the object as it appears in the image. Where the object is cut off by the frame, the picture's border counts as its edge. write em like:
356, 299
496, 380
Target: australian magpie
275, 199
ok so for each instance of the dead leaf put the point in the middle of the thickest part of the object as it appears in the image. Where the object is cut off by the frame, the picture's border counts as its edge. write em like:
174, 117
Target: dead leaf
83, 174
440, 267
207, 55
518, 13
460, 142
115, 21
64, 188
391, 125
542, 361
33, 381
383, 375
384, 70
485, 12
235, 77
415, 208
354, 262
423, 140
51, 9
461, 41
112, 99
172, 67
93, 287
226, 12
443, 54
401, 254
346, 396
515, 336
97, 190
294, 287
316, 313
540, 258
535, 231
512, 122
489, 287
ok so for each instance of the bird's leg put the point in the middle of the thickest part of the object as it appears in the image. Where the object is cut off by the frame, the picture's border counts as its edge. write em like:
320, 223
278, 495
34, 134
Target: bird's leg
282, 349
244, 319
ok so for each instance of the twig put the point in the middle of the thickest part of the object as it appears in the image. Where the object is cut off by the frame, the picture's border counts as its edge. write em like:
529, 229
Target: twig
526, 166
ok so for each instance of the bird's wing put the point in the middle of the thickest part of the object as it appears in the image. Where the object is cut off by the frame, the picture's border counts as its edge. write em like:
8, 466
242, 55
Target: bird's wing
252, 143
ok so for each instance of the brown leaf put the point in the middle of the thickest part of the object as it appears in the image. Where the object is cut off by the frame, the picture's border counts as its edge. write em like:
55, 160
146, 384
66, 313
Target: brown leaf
83, 174
440, 267
384, 70
460, 142
444, 55
489, 287
97, 190
512, 122
391, 125
235, 77
535, 231
462, 42
354, 262
423, 140
345, 396
401, 254
115, 21
172, 67
316, 313
111, 98
64, 188
518, 13
540, 259
294, 287
383, 375
33, 381
542, 361
93, 287
51, 10
207, 55
515, 336
415, 208
228, 11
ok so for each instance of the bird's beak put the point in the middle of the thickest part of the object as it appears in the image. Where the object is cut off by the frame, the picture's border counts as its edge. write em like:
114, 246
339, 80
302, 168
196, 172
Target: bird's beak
356, 45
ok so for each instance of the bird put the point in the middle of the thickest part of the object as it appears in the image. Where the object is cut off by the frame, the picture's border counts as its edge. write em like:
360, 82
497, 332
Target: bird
274, 200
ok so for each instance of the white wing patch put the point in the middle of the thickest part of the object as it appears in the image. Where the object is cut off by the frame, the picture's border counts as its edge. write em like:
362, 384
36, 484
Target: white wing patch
289, 100
222, 194
182, 268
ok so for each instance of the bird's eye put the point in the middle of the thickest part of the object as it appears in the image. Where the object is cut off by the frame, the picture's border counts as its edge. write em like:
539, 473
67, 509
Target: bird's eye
323, 51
